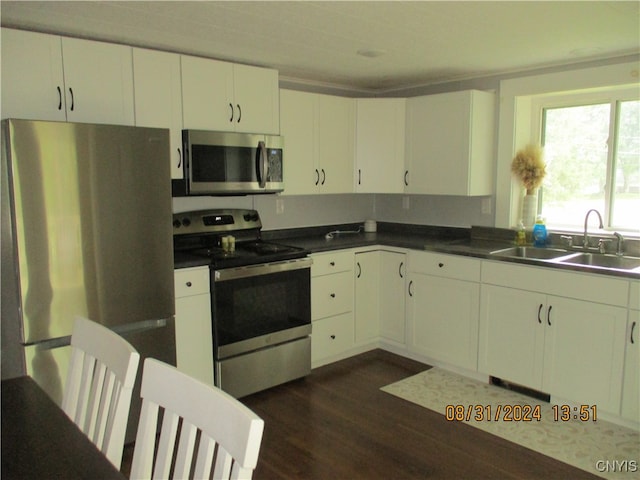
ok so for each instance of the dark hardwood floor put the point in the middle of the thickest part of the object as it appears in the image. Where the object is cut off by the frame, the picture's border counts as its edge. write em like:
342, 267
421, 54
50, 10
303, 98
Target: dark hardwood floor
337, 424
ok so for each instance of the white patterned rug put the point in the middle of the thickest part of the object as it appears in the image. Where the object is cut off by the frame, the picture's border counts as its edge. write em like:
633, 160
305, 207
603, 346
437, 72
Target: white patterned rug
585, 445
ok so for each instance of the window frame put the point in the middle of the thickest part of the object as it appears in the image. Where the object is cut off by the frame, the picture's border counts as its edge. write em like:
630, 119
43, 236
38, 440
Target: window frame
612, 96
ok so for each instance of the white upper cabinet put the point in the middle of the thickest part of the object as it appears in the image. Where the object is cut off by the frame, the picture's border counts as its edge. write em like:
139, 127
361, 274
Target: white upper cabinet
319, 133
227, 97
47, 77
336, 136
98, 79
298, 126
380, 131
450, 144
32, 77
158, 97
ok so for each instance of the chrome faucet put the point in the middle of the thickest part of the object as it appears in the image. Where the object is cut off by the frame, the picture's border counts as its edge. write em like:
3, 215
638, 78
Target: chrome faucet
620, 242
585, 238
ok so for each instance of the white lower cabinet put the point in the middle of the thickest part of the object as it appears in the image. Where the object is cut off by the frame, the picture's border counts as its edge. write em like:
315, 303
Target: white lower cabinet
393, 274
332, 293
630, 409
194, 339
331, 337
631, 386
442, 308
367, 296
571, 348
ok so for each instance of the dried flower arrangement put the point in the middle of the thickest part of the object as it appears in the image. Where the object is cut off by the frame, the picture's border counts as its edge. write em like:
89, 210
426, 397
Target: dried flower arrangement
529, 167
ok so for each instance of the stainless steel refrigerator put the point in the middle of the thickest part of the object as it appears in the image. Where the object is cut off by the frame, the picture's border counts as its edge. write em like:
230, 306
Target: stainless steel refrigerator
86, 230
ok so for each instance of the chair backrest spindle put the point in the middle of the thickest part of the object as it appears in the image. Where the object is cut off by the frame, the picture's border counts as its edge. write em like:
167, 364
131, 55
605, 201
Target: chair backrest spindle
203, 429
99, 385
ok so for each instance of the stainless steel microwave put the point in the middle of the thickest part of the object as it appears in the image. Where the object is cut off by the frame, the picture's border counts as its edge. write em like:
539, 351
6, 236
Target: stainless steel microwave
222, 163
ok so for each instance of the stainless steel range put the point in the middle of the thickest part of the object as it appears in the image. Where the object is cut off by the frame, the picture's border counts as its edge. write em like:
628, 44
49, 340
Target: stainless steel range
260, 299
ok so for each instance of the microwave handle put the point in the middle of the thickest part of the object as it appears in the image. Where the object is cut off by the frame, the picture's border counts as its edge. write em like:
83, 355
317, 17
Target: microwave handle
262, 165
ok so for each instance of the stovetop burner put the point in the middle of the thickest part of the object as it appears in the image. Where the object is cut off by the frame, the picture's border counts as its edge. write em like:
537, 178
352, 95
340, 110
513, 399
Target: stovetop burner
200, 233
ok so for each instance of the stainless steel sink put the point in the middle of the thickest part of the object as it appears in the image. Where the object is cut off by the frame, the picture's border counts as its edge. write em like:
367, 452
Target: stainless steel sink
534, 253
602, 260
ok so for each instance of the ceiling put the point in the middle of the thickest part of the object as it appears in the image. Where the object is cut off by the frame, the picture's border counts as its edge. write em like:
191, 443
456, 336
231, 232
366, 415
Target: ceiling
406, 43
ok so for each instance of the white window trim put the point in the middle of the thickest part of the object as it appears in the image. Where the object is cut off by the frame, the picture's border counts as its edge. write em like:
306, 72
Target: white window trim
598, 96
516, 126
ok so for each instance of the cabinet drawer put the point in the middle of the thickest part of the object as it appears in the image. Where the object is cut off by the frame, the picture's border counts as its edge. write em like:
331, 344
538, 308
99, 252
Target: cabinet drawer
332, 262
442, 265
191, 281
331, 294
331, 336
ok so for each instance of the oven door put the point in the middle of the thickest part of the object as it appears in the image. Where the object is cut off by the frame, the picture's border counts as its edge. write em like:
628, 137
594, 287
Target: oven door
258, 306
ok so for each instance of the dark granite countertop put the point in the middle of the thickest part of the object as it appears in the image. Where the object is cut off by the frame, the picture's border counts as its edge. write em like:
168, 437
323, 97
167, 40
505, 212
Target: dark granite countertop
476, 242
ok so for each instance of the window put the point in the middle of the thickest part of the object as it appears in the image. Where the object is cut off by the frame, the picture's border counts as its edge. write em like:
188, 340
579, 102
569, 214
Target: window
592, 152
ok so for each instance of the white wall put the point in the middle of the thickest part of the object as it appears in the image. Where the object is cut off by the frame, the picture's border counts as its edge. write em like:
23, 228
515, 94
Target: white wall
312, 210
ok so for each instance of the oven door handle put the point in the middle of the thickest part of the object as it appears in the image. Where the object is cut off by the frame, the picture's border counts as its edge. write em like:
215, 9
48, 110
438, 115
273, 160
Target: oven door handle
226, 274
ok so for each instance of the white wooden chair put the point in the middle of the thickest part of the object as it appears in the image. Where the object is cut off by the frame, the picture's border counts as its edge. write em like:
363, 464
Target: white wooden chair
99, 385
226, 433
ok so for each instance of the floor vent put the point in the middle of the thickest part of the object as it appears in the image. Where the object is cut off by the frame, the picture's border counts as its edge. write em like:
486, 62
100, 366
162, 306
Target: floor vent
530, 392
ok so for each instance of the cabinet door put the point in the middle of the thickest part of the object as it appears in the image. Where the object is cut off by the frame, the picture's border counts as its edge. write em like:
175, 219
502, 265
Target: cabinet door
631, 385
256, 99
511, 336
584, 352
298, 126
194, 355
98, 82
367, 295
158, 97
392, 297
444, 319
194, 339
380, 145
449, 143
207, 94
336, 136
32, 78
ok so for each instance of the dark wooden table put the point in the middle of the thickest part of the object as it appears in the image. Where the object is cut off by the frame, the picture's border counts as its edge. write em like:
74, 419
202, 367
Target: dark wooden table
40, 441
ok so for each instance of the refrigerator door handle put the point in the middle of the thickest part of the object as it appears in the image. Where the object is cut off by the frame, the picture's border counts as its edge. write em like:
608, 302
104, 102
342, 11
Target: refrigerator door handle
141, 326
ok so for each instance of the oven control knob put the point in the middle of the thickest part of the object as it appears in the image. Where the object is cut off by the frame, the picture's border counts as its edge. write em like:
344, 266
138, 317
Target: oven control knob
186, 222
176, 224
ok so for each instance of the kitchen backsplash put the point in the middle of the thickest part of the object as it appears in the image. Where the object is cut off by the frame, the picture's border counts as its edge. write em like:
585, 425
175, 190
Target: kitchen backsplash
281, 211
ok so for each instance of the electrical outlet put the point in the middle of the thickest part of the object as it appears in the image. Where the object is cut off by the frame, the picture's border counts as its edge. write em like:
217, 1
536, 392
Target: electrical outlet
279, 206
486, 206
406, 203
